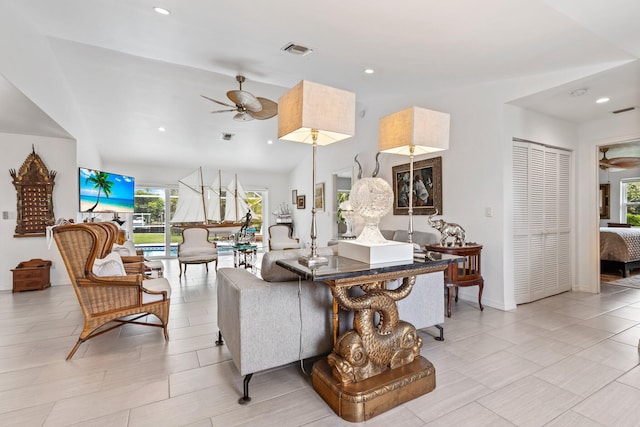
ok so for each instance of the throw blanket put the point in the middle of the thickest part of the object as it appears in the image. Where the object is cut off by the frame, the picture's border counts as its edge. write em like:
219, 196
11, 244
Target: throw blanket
619, 244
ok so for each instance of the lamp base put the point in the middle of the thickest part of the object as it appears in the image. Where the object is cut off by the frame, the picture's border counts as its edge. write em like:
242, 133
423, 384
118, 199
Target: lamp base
313, 261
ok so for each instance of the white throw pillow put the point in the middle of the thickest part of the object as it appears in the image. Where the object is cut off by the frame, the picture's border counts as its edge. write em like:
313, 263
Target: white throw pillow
111, 265
128, 248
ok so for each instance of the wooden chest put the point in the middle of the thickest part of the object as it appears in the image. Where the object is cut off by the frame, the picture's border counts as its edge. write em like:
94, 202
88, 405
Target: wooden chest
31, 275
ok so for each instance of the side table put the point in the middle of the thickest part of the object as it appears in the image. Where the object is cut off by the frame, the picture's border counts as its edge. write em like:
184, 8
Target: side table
461, 274
245, 256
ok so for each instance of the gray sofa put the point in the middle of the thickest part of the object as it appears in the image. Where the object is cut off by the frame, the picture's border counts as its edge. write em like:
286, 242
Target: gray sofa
420, 238
278, 319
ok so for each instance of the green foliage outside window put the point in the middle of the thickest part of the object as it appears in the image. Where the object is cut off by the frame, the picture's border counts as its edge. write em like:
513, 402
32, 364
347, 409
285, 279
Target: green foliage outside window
632, 190
342, 196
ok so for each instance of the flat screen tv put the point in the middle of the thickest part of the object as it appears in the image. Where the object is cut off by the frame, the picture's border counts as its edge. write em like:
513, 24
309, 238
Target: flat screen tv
105, 192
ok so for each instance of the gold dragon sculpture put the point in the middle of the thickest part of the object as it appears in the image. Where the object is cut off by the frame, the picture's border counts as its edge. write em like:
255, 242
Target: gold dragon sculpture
371, 347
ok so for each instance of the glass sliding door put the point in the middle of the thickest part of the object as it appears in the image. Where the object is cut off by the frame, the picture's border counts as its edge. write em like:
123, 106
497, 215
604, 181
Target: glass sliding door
152, 211
155, 206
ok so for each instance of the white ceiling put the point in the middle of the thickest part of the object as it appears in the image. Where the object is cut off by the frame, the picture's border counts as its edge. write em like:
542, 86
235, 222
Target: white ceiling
131, 70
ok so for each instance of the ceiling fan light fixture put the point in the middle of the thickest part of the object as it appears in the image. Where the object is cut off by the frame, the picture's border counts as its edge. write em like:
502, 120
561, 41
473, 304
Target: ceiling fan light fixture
296, 49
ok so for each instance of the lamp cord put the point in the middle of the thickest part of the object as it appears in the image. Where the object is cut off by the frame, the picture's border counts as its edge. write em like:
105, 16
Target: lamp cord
300, 314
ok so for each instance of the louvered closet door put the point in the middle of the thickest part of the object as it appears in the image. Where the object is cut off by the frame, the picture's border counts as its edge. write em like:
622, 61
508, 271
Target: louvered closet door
541, 221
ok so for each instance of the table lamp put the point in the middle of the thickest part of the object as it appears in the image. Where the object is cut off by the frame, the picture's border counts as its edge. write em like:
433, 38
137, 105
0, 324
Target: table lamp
410, 132
315, 114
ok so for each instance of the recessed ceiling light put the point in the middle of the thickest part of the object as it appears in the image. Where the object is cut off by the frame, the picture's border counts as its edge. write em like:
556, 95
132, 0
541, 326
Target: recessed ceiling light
269, 142
161, 129
162, 10
368, 71
579, 92
602, 100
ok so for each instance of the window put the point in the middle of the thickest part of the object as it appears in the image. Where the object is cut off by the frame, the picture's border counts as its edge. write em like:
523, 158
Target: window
631, 201
153, 209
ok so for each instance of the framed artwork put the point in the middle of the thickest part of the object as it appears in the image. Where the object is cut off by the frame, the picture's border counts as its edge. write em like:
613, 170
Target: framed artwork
427, 187
294, 197
301, 202
604, 201
319, 197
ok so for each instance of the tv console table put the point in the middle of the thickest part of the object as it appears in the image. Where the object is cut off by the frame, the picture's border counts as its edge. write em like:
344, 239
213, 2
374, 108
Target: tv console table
373, 367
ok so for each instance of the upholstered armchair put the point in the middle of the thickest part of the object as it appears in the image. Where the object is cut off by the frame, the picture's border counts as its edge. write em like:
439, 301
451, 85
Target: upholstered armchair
280, 238
107, 295
196, 248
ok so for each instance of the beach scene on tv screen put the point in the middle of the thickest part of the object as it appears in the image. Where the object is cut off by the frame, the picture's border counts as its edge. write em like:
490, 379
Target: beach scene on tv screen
105, 192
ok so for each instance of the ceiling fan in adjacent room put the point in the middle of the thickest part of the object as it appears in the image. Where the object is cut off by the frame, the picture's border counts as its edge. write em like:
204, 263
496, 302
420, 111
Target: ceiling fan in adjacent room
247, 106
617, 162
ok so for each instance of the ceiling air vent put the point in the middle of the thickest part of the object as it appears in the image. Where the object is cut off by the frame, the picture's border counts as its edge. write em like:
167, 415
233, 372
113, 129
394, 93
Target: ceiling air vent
226, 136
624, 110
297, 49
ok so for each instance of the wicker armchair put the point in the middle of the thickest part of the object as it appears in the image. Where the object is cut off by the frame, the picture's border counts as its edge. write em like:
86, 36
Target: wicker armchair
133, 264
120, 299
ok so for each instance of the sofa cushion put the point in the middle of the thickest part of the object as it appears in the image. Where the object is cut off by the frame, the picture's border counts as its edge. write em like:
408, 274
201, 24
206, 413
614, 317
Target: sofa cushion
420, 238
271, 272
155, 285
202, 251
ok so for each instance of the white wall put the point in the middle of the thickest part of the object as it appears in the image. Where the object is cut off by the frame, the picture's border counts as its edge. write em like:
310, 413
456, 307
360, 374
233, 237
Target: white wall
27, 61
58, 155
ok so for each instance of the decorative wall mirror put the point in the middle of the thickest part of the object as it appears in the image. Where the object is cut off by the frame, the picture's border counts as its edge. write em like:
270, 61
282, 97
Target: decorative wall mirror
34, 188
604, 200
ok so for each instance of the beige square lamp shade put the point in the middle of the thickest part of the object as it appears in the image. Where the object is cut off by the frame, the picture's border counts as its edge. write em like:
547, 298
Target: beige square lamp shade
426, 130
309, 106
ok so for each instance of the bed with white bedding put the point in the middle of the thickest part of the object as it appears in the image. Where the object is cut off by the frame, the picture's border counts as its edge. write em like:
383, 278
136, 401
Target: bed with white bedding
619, 249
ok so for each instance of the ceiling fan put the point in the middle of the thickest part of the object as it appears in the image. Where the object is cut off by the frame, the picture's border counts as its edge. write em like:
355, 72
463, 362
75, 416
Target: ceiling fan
247, 106
617, 162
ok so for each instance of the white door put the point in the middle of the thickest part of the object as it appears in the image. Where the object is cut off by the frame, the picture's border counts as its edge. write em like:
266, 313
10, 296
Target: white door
541, 221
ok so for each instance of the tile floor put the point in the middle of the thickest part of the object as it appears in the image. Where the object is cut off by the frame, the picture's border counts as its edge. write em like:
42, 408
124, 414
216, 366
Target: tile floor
568, 360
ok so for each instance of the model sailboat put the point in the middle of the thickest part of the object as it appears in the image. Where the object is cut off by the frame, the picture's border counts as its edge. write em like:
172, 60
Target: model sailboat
203, 204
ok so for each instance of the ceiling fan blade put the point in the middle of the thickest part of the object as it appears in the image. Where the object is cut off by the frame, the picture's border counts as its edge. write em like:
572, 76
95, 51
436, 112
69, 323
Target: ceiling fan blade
245, 99
218, 102
224, 111
269, 109
624, 162
242, 117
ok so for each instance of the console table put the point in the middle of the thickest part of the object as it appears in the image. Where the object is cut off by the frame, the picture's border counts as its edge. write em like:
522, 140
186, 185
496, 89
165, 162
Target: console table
465, 273
373, 367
